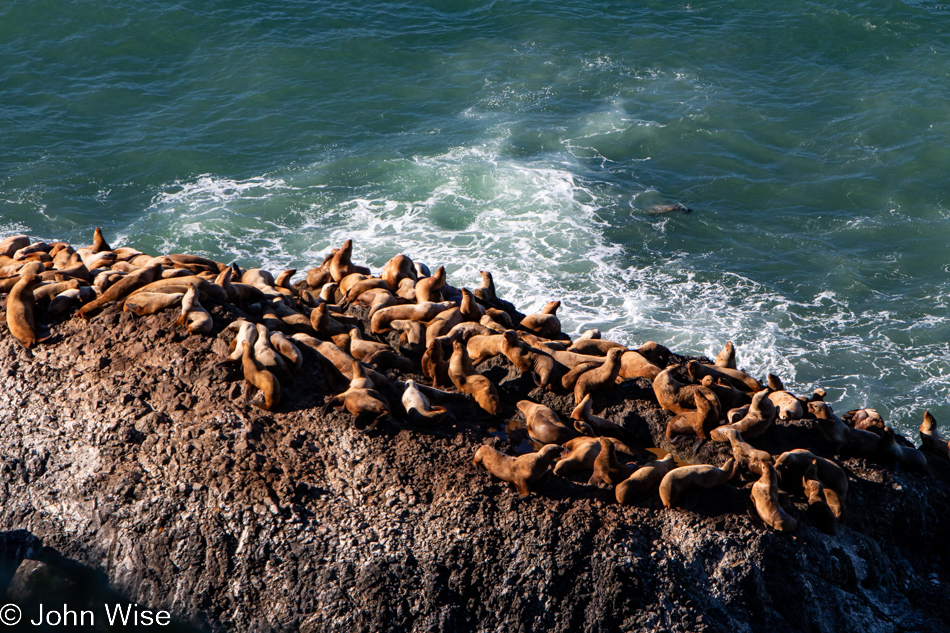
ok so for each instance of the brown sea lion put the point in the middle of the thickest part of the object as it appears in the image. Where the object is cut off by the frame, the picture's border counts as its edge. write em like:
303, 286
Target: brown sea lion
99, 243
544, 425
757, 420
418, 408
255, 375
340, 264
442, 324
908, 458
544, 323
931, 439
486, 290
819, 512
738, 379
527, 359
44, 293
365, 403
594, 346
68, 300
193, 315
121, 289
657, 354
569, 379
765, 498
469, 381
865, 420
20, 307
359, 347
635, 365
519, 471
325, 325
194, 263
424, 311
696, 423
583, 453
729, 396
396, 269
792, 466
677, 397
679, 481
287, 349
12, 244
470, 309
727, 357
745, 454
592, 425
413, 333
599, 377
481, 347
608, 471
145, 303
430, 288
787, 407
644, 481
840, 435
266, 355
435, 367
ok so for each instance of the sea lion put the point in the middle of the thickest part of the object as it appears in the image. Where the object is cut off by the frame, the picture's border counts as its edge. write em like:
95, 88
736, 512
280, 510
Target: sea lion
819, 512
361, 400
69, 299
418, 409
325, 325
430, 288
413, 334
738, 379
20, 307
423, 311
435, 367
696, 423
608, 471
727, 357
469, 381
765, 498
635, 365
569, 379
359, 348
12, 244
283, 280
730, 397
396, 269
587, 423
865, 420
759, 418
583, 453
193, 316
442, 324
195, 263
931, 439
486, 290
544, 323
677, 397
787, 407
793, 465
121, 289
908, 458
481, 347
568, 359
543, 424
44, 293
744, 453
255, 375
657, 354
145, 303
519, 471
644, 481
341, 266
527, 359
287, 349
319, 275
679, 481
594, 346
840, 435
406, 290
599, 377
470, 310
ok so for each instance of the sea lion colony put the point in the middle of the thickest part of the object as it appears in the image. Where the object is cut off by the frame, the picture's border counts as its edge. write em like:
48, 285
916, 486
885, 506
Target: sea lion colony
409, 319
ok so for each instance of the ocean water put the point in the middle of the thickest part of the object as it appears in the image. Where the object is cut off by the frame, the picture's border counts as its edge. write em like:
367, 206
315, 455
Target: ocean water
532, 139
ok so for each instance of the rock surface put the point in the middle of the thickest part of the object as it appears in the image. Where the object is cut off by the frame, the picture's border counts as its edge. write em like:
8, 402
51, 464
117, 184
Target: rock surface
127, 448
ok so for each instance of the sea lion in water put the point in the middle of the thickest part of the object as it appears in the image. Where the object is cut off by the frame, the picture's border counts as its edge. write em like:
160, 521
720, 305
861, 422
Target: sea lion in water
840, 435
931, 439
644, 481
599, 377
544, 323
679, 481
255, 375
20, 306
908, 458
519, 471
727, 357
469, 381
543, 424
765, 498
418, 409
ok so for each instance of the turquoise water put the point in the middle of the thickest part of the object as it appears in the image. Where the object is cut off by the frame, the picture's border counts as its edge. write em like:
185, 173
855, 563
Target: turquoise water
812, 141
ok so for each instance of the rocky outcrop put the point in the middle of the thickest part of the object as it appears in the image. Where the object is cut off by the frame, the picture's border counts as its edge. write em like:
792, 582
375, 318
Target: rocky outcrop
128, 449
